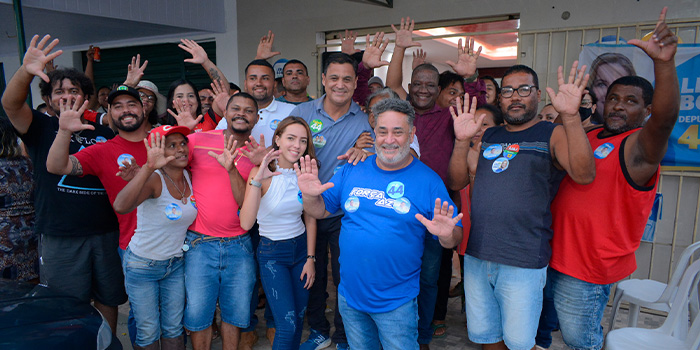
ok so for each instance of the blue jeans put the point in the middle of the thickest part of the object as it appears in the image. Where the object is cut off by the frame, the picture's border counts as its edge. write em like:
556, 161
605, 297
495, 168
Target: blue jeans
429, 273
393, 330
328, 233
503, 302
156, 290
281, 264
218, 268
548, 317
269, 320
130, 321
580, 306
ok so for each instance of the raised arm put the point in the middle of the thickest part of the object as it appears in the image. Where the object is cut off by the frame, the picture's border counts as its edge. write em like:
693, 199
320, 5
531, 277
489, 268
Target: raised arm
90, 73
645, 150
144, 186
570, 147
199, 56
59, 161
254, 193
311, 188
466, 125
15, 96
404, 40
264, 51
135, 71
227, 160
466, 59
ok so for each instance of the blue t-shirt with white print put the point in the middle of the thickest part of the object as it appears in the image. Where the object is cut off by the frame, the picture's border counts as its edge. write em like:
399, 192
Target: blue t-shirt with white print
381, 241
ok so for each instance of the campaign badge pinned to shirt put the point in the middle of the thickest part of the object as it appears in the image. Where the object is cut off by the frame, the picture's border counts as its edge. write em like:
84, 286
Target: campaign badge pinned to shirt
402, 205
173, 211
301, 200
273, 124
500, 165
100, 139
352, 204
493, 151
603, 150
193, 202
316, 125
511, 151
395, 189
123, 157
319, 141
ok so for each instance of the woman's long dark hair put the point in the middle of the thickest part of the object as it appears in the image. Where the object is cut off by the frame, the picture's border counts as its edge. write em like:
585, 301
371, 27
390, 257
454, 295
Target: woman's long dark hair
9, 148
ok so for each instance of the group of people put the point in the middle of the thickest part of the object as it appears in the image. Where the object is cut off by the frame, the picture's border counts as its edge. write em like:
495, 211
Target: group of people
183, 211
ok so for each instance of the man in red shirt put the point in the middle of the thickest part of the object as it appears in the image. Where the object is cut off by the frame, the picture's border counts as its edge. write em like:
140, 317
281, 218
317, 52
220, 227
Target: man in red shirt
593, 245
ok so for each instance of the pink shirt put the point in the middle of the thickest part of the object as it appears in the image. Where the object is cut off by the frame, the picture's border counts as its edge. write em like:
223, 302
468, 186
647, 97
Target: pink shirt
217, 214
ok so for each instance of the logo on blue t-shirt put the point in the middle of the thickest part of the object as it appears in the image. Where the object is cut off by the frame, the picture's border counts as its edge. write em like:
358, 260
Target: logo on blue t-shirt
395, 189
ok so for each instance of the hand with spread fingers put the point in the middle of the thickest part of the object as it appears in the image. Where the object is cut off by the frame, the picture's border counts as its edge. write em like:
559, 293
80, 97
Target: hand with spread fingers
442, 224
466, 124
221, 97
307, 177
38, 55
70, 116
155, 150
347, 42
372, 57
466, 58
183, 116
404, 34
199, 56
568, 100
135, 71
265, 47
663, 44
227, 158
419, 57
255, 151
265, 172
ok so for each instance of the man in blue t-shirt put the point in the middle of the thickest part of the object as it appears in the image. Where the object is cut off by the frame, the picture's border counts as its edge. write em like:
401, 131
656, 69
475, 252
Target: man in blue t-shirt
388, 202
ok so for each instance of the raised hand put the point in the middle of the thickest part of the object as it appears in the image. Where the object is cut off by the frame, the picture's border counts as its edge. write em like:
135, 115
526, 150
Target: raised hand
568, 99
419, 57
90, 54
70, 115
466, 58
404, 35
128, 169
372, 57
442, 223
199, 56
156, 152
227, 158
135, 71
307, 177
183, 116
663, 44
466, 125
265, 47
255, 151
265, 172
347, 42
221, 96
38, 55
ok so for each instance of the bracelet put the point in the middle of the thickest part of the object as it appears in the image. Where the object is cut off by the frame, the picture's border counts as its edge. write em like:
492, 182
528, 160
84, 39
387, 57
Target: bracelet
255, 183
312, 257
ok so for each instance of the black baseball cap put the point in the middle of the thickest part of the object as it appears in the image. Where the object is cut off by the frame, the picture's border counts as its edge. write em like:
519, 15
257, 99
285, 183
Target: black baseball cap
123, 90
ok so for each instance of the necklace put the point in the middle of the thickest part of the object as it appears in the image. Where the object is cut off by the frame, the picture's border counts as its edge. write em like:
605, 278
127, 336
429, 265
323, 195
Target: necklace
182, 193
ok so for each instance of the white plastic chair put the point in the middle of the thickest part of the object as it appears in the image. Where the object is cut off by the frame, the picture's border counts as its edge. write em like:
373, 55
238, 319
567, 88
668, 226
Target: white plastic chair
665, 336
649, 293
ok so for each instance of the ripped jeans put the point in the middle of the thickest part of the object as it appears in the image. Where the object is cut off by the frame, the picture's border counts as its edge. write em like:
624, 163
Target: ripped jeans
281, 264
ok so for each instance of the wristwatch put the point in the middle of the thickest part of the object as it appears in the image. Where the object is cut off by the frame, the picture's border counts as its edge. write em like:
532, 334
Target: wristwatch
255, 183
312, 257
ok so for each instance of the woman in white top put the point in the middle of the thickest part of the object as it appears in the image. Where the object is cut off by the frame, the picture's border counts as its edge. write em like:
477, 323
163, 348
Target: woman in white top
154, 269
286, 252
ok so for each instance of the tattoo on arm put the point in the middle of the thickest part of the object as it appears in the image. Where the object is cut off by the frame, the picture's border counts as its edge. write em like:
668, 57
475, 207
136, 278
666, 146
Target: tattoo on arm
76, 168
214, 74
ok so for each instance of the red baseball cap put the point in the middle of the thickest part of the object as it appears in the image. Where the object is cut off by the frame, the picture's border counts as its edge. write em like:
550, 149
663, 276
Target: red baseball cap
165, 130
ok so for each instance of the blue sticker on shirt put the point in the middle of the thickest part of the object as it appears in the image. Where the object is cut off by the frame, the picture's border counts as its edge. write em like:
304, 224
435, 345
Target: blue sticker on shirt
500, 165
273, 124
301, 200
603, 151
123, 157
493, 151
173, 211
352, 204
319, 141
402, 205
395, 189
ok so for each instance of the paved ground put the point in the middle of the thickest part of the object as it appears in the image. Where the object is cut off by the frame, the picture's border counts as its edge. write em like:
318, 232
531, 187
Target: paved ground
455, 339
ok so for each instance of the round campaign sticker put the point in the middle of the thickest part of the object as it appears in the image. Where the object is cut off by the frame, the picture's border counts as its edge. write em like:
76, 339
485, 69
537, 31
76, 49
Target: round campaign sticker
402, 205
603, 150
301, 200
500, 165
395, 189
123, 157
193, 202
319, 141
316, 125
493, 151
173, 211
100, 139
511, 151
273, 124
352, 204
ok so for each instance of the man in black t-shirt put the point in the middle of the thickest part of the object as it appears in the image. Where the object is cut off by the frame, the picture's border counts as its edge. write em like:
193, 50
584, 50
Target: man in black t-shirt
79, 231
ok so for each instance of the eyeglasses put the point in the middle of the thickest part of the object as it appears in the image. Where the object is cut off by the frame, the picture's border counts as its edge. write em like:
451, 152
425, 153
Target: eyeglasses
147, 97
523, 90
586, 103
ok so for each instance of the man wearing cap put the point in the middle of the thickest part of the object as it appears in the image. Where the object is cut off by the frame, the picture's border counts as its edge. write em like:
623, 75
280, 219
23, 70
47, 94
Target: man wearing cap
78, 229
260, 83
295, 78
375, 83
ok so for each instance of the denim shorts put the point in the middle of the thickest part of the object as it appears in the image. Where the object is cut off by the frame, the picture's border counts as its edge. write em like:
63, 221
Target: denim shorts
218, 268
580, 306
503, 302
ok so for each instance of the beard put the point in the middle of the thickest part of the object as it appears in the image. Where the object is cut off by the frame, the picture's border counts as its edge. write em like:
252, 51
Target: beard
528, 114
128, 128
404, 151
239, 130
